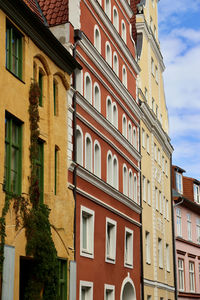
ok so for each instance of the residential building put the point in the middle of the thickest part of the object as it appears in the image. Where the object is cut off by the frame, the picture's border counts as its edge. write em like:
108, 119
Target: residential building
156, 151
31, 53
187, 233
105, 168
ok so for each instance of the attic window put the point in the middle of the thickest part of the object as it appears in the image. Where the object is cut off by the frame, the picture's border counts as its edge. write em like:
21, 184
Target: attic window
179, 185
196, 193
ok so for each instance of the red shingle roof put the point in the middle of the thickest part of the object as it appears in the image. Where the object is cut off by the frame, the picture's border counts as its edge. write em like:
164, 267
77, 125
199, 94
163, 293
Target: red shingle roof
33, 5
55, 11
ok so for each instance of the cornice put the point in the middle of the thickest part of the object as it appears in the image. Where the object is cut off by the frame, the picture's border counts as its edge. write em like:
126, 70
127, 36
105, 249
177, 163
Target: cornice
108, 189
154, 126
159, 285
107, 206
143, 28
116, 36
105, 69
108, 127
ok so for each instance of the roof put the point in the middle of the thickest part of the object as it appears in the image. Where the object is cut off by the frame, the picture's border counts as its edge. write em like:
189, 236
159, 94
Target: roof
34, 6
55, 11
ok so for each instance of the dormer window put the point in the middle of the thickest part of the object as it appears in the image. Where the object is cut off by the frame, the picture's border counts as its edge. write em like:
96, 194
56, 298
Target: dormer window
179, 185
196, 193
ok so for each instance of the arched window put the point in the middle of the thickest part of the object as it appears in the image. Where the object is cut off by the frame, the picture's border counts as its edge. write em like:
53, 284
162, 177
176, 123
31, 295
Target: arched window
124, 126
115, 63
108, 8
130, 184
135, 188
109, 168
115, 18
115, 172
109, 110
108, 54
129, 132
124, 76
125, 180
88, 152
79, 145
123, 31
97, 159
134, 138
97, 97
97, 38
115, 115
88, 87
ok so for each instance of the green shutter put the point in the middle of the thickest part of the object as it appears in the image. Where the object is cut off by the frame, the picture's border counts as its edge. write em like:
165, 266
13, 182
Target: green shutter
39, 164
62, 279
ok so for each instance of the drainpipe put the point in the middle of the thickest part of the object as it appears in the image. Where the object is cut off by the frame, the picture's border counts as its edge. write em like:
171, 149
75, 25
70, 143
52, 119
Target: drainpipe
77, 38
173, 234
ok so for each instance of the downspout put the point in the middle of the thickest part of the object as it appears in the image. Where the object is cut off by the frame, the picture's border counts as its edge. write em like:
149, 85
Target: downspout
173, 233
77, 38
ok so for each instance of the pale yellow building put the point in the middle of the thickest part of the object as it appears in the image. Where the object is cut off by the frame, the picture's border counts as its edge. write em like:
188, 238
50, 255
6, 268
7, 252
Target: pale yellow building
29, 53
156, 150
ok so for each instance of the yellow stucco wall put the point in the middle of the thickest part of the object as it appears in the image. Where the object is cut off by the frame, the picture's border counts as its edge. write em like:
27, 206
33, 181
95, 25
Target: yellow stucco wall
53, 131
158, 282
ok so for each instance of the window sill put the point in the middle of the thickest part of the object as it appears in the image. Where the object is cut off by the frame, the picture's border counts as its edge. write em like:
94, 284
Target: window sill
148, 263
87, 254
127, 265
110, 260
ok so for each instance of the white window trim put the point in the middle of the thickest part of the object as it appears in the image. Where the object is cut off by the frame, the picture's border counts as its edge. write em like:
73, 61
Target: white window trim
123, 32
124, 130
108, 60
115, 174
113, 121
87, 135
109, 288
125, 180
109, 12
148, 192
85, 76
143, 138
111, 259
96, 28
124, 76
134, 137
108, 99
81, 132
130, 185
99, 106
160, 253
116, 66
135, 188
128, 264
148, 247
167, 258
182, 271
90, 251
178, 217
117, 20
109, 153
130, 133
99, 163
88, 285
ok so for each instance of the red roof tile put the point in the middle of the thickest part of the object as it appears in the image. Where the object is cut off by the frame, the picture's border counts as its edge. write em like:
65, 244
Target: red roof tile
55, 11
33, 5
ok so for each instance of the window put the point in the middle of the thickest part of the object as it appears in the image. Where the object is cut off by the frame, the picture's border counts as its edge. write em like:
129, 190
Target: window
191, 276
161, 204
143, 138
109, 292
108, 8
55, 170
62, 279
198, 230
155, 152
167, 209
148, 147
115, 172
134, 138
124, 126
13, 50
108, 54
181, 274
167, 258
97, 38
152, 67
160, 254
115, 64
114, 115
39, 164
156, 197
189, 227
129, 132
130, 184
135, 188
109, 110
163, 164
124, 76
40, 83
164, 207
115, 18
55, 97
147, 247
86, 290
159, 156
123, 31
156, 70
79, 146
196, 193
148, 192
109, 168
166, 168
179, 182
87, 232
88, 88
97, 159
111, 232
178, 222
13, 155
88, 152
125, 180
112, 170
97, 97
128, 248
144, 188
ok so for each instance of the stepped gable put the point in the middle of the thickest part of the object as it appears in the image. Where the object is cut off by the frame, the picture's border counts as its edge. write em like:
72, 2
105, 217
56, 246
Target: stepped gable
34, 6
55, 11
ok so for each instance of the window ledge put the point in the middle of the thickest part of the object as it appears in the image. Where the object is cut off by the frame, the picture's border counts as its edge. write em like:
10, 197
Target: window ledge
127, 265
110, 260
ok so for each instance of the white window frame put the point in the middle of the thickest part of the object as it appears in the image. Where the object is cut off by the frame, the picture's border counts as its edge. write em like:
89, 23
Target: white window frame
130, 184
192, 276
129, 132
152, 67
124, 76
196, 193
160, 253
97, 43
167, 258
181, 279
123, 31
160, 202
89, 287
125, 180
80, 161
178, 222
115, 18
114, 117
189, 227
111, 257
179, 182
115, 182
109, 117
148, 247
148, 192
109, 167
148, 145
108, 8
108, 57
198, 230
135, 189
155, 152
143, 138
124, 126
97, 106
111, 290
115, 63
89, 250
88, 159
128, 248
87, 75
134, 138
97, 165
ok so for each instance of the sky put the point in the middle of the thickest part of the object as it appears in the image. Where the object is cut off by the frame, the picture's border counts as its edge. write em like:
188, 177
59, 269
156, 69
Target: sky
179, 35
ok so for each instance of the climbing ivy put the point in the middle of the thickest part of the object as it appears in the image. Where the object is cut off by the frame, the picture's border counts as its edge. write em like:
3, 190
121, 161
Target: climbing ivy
34, 217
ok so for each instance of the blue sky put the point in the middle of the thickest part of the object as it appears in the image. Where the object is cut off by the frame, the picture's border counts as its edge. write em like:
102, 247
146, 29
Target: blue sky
179, 35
